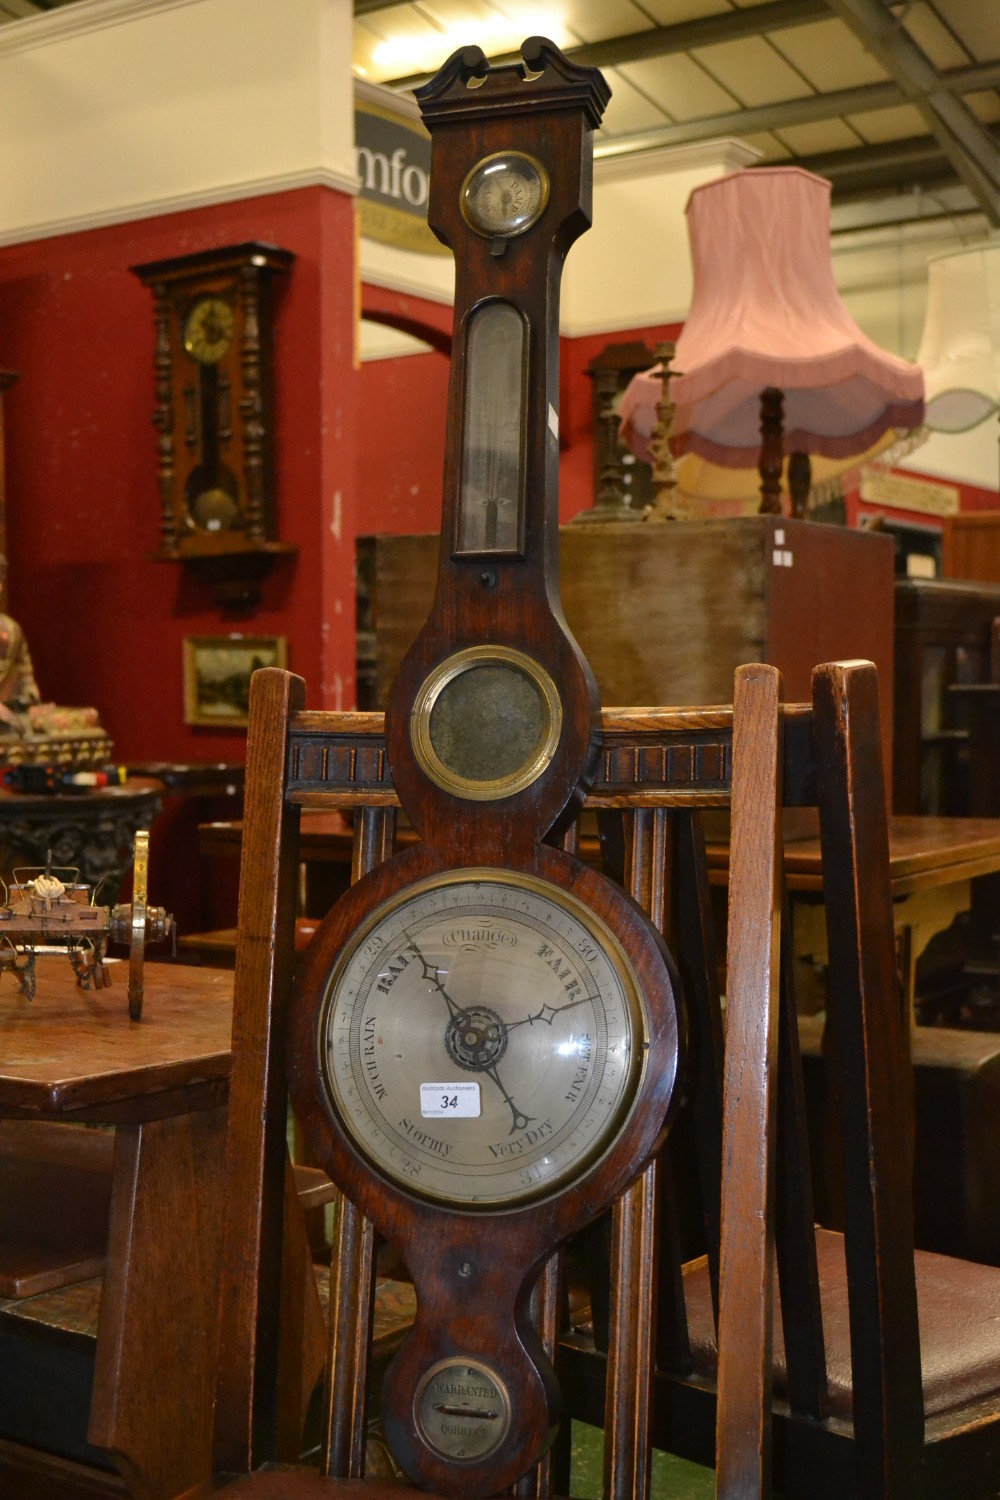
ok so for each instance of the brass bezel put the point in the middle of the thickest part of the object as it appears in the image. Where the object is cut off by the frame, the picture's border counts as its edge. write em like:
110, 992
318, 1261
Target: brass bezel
431, 689
456, 1362
474, 171
617, 958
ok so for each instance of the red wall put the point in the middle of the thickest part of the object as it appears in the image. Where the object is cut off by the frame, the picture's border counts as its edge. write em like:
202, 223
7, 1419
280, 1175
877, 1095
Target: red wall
401, 442
105, 623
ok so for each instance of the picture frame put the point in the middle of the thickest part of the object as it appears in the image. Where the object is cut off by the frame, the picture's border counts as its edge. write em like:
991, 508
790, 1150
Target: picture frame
217, 672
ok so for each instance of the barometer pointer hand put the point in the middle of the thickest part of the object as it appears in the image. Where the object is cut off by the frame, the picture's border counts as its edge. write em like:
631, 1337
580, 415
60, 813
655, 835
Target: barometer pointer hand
521, 1120
553, 1011
432, 973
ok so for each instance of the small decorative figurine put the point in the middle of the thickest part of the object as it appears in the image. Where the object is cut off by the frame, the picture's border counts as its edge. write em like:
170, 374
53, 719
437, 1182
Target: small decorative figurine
33, 732
49, 906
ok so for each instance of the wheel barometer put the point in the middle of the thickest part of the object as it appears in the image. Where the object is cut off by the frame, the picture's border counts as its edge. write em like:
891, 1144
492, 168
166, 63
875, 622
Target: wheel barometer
485, 1038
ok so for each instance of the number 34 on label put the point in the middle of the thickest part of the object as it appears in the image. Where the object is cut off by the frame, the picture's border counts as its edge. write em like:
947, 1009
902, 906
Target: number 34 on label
444, 1101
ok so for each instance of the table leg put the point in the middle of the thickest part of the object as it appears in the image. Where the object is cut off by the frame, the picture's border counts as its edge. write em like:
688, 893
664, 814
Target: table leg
918, 917
155, 1364
924, 914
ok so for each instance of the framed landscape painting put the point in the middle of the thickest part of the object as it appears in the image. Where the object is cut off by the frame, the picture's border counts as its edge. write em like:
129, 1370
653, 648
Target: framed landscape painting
217, 672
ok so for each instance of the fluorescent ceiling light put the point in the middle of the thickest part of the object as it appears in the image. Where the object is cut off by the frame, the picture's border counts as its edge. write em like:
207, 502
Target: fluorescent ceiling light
494, 34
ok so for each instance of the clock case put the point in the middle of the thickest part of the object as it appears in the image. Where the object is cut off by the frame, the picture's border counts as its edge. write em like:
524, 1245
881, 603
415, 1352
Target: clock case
474, 1271
215, 421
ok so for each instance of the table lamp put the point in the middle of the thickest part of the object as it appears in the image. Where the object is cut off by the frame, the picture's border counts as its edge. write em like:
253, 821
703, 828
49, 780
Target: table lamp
770, 362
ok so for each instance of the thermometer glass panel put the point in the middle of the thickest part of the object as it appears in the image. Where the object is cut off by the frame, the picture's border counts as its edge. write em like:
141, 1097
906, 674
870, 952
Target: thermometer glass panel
489, 513
483, 1038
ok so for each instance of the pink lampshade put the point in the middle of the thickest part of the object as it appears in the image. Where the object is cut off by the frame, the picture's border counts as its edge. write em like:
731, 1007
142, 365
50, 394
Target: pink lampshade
765, 313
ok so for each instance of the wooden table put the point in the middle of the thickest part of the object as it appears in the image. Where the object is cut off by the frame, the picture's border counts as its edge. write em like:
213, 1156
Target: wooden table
932, 862
74, 1055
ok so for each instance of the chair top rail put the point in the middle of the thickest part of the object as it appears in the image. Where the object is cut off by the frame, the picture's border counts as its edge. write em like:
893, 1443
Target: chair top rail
653, 757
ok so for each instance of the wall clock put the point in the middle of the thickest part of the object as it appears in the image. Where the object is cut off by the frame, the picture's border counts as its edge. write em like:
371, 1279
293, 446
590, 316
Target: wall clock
485, 1036
215, 412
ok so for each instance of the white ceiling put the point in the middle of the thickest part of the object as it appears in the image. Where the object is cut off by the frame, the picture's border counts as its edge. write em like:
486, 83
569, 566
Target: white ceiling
897, 102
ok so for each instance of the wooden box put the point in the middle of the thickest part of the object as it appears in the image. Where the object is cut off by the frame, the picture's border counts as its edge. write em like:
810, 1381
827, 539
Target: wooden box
665, 612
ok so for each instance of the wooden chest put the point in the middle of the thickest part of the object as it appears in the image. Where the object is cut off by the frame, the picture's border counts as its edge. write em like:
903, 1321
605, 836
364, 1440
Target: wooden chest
970, 546
665, 612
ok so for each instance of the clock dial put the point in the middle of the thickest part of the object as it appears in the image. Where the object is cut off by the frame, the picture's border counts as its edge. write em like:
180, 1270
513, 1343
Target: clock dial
505, 194
208, 330
483, 1038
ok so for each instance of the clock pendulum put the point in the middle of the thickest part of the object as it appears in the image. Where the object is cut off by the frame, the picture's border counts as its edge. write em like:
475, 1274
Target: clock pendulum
485, 1036
212, 490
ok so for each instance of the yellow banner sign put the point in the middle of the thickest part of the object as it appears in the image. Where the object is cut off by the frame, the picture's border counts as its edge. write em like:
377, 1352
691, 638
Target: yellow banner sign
393, 159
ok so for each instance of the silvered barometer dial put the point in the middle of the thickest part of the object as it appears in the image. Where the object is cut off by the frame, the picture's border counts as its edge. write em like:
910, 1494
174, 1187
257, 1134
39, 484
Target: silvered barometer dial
482, 1038
504, 194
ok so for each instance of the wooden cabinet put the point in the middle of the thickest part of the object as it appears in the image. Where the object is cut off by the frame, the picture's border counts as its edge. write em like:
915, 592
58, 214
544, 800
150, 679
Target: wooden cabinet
942, 634
666, 612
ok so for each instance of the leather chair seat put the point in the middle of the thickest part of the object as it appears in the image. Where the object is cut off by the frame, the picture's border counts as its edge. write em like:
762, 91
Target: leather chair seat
959, 1311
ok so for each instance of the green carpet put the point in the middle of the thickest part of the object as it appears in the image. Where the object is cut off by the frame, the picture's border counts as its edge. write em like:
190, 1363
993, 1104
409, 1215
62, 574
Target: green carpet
673, 1478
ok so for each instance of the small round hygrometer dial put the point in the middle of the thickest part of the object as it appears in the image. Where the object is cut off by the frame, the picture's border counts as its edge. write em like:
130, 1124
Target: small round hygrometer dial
483, 1038
504, 194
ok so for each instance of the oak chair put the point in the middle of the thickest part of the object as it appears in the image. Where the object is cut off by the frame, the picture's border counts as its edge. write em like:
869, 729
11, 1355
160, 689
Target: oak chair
885, 1362
662, 767
649, 762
